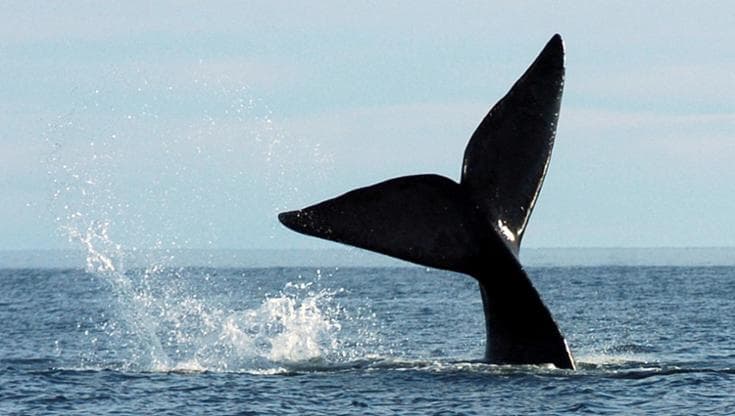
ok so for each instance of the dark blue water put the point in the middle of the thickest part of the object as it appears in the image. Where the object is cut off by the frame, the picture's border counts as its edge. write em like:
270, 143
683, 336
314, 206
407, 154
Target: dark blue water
161, 340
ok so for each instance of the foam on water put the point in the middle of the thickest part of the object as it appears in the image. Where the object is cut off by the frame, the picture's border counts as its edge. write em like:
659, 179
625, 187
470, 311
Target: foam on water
610, 359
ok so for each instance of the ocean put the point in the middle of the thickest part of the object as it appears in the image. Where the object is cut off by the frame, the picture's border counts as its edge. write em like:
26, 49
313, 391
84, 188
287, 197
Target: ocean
93, 335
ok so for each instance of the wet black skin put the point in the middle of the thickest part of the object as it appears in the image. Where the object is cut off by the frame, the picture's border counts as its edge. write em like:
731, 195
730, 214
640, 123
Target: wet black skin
474, 226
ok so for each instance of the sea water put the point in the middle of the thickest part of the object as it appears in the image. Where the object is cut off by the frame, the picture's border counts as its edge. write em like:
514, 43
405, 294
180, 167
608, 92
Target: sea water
165, 339
107, 331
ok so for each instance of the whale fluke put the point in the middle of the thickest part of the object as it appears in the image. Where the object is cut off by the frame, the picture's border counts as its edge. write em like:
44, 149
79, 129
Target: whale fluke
425, 219
474, 226
507, 156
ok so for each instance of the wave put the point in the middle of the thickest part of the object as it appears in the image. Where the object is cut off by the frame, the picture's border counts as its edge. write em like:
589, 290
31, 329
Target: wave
439, 367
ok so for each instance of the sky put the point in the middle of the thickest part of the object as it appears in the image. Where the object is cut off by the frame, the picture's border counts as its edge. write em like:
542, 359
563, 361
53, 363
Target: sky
192, 124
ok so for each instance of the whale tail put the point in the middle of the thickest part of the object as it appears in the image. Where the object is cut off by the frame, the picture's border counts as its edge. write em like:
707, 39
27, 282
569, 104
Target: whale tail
474, 226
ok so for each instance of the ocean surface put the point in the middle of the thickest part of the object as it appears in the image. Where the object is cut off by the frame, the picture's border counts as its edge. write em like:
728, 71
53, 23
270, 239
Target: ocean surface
151, 337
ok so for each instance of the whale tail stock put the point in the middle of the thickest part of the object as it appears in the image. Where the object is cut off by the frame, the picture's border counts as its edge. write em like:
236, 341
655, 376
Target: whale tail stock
475, 226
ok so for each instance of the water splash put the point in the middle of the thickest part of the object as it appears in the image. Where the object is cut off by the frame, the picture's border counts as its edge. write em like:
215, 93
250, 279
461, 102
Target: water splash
297, 325
133, 169
168, 319
163, 323
163, 320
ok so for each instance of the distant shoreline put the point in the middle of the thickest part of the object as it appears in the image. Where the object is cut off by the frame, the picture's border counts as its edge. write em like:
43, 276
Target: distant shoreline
344, 257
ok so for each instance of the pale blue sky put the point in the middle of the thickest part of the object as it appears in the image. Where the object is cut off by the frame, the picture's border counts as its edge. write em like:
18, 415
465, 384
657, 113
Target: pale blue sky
193, 123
